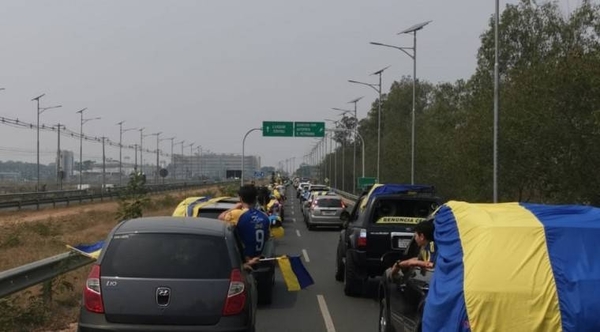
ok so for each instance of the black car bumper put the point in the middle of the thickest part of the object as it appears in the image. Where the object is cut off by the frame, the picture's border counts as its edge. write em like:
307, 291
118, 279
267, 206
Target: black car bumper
368, 266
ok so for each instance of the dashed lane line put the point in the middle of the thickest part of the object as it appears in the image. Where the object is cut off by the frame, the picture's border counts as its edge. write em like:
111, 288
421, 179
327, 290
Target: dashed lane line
298, 233
325, 313
305, 254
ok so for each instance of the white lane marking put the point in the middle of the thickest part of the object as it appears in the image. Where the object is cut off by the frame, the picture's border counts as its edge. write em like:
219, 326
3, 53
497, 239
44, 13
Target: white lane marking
298, 233
325, 313
293, 220
305, 254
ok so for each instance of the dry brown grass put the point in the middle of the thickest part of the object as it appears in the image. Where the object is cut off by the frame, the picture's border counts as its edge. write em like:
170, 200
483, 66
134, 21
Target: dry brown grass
30, 236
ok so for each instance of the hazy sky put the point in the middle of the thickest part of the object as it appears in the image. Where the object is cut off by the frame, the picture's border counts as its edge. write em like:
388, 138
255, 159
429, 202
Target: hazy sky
208, 71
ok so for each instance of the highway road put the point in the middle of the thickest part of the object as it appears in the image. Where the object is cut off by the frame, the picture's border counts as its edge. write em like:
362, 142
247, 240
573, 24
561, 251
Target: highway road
322, 307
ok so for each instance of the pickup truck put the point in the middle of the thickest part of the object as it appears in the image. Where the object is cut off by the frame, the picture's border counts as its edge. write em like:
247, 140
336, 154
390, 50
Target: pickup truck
381, 221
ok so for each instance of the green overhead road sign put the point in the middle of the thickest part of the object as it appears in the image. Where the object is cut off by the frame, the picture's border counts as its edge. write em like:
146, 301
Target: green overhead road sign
309, 129
278, 128
364, 182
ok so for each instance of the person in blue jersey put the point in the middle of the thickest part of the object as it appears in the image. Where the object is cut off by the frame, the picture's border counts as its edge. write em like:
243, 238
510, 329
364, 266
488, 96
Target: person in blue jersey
427, 255
252, 225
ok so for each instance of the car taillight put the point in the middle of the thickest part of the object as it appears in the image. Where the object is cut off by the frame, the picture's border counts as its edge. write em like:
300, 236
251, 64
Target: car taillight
236, 297
343, 205
92, 295
314, 204
362, 238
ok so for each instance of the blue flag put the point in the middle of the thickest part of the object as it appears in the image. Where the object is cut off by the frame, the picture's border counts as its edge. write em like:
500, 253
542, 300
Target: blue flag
294, 273
90, 250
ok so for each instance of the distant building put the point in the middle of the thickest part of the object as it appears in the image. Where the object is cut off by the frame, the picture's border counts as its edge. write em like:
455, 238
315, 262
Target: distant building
212, 165
66, 162
10, 176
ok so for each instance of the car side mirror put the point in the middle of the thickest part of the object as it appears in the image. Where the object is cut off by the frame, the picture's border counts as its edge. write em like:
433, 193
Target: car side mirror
345, 216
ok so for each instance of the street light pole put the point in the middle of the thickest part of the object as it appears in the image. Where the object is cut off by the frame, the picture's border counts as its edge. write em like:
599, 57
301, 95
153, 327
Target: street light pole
120, 124
81, 147
157, 156
192, 160
378, 89
362, 140
496, 100
142, 149
40, 110
182, 161
412, 30
121, 132
172, 140
244, 153
103, 165
58, 165
355, 101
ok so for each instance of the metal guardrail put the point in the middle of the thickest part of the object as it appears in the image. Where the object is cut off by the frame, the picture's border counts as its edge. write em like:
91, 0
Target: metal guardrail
19, 201
22, 277
25, 276
346, 194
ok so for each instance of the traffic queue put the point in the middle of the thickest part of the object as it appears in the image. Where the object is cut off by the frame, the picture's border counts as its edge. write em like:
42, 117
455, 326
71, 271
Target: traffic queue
458, 266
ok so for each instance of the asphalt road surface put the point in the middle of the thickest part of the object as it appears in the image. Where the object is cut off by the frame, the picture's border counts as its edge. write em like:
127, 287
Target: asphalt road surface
322, 307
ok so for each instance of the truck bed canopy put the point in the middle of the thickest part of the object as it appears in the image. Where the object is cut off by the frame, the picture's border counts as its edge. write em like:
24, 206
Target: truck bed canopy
515, 267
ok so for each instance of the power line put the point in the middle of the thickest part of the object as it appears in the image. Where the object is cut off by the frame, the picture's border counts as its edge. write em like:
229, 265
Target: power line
16, 123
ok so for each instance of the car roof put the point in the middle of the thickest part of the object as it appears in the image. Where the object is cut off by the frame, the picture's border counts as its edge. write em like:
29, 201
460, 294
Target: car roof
217, 205
328, 196
165, 224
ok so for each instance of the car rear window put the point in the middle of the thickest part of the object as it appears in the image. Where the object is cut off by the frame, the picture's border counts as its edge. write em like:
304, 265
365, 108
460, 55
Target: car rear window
394, 211
169, 256
329, 202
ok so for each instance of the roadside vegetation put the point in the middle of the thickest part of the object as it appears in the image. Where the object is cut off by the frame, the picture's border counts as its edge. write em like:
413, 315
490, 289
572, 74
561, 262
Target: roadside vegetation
549, 118
50, 306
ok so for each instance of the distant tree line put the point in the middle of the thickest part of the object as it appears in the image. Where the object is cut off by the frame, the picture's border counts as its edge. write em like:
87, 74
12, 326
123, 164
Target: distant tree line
549, 138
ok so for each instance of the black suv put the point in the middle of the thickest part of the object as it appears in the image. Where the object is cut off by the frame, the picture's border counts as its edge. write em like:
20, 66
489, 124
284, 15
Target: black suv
381, 221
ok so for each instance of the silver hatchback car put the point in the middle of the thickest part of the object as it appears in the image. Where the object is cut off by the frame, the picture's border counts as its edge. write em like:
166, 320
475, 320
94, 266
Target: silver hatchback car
325, 210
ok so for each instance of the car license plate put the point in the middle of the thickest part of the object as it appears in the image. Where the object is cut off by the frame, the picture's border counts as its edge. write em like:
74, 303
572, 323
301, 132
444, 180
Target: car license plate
329, 213
403, 243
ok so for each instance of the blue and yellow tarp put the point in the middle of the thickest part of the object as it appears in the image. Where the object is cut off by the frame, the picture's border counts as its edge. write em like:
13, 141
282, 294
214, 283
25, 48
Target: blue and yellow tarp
515, 267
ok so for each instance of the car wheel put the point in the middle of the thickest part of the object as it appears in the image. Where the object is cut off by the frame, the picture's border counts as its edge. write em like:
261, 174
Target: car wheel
309, 225
265, 289
384, 317
352, 282
339, 269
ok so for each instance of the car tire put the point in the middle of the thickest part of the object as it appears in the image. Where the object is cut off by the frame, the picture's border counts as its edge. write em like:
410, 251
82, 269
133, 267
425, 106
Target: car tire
339, 269
352, 282
309, 225
265, 290
265, 296
384, 317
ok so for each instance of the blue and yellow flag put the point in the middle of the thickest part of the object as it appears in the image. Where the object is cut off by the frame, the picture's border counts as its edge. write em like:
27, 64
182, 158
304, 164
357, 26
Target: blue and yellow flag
294, 273
515, 267
89, 250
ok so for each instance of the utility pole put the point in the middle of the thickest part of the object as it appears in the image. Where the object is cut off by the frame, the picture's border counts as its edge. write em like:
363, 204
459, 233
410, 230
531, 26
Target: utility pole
142, 150
40, 110
58, 160
135, 163
103, 165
